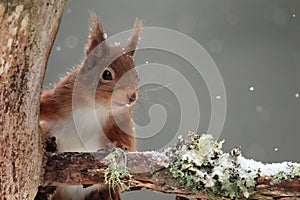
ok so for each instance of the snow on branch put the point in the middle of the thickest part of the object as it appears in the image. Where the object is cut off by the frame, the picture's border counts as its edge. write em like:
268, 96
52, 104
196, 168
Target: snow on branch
197, 168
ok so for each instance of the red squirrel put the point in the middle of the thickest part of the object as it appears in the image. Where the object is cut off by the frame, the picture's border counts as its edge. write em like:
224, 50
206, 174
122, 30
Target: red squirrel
104, 85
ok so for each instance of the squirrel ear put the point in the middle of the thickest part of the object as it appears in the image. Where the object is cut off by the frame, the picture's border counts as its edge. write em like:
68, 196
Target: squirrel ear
96, 33
134, 38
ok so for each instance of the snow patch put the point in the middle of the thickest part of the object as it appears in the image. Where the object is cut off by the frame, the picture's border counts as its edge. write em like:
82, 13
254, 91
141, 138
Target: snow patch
265, 169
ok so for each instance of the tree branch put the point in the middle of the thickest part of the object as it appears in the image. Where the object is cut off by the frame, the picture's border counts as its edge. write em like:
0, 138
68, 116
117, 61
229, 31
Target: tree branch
155, 171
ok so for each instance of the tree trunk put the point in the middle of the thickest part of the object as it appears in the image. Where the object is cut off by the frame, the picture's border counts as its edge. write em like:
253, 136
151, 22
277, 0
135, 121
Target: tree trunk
27, 33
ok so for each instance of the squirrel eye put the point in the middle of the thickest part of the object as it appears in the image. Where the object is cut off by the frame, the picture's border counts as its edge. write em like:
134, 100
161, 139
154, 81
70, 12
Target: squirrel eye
107, 75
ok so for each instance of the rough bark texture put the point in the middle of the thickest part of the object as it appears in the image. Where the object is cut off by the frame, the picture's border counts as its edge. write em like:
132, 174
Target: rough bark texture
148, 171
27, 32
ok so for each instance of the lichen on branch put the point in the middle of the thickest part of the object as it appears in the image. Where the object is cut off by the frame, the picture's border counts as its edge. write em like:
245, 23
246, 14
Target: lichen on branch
116, 170
194, 168
201, 166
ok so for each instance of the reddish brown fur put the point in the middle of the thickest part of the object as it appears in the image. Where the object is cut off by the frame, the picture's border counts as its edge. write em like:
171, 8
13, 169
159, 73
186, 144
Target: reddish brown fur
116, 135
57, 104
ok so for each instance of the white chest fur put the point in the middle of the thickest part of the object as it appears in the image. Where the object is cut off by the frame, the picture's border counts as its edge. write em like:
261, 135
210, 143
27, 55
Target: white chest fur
81, 131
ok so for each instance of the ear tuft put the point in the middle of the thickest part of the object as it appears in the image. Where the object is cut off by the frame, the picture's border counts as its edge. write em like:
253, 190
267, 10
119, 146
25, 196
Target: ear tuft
135, 37
96, 35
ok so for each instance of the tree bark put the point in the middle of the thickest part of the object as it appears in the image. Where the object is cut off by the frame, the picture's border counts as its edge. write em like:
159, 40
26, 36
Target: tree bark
27, 33
148, 171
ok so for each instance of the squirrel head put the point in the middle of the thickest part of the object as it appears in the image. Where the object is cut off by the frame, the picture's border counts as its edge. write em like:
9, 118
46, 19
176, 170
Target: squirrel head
107, 76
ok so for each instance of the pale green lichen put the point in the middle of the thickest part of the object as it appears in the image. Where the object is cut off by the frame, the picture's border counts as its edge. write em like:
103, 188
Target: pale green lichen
201, 166
116, 171
293, 172
154, 175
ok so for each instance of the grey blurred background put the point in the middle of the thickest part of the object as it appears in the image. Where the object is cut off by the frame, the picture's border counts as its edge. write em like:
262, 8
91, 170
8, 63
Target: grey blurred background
255, 44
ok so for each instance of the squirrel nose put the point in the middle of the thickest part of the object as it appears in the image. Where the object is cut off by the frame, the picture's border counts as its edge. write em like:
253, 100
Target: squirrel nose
132, 99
